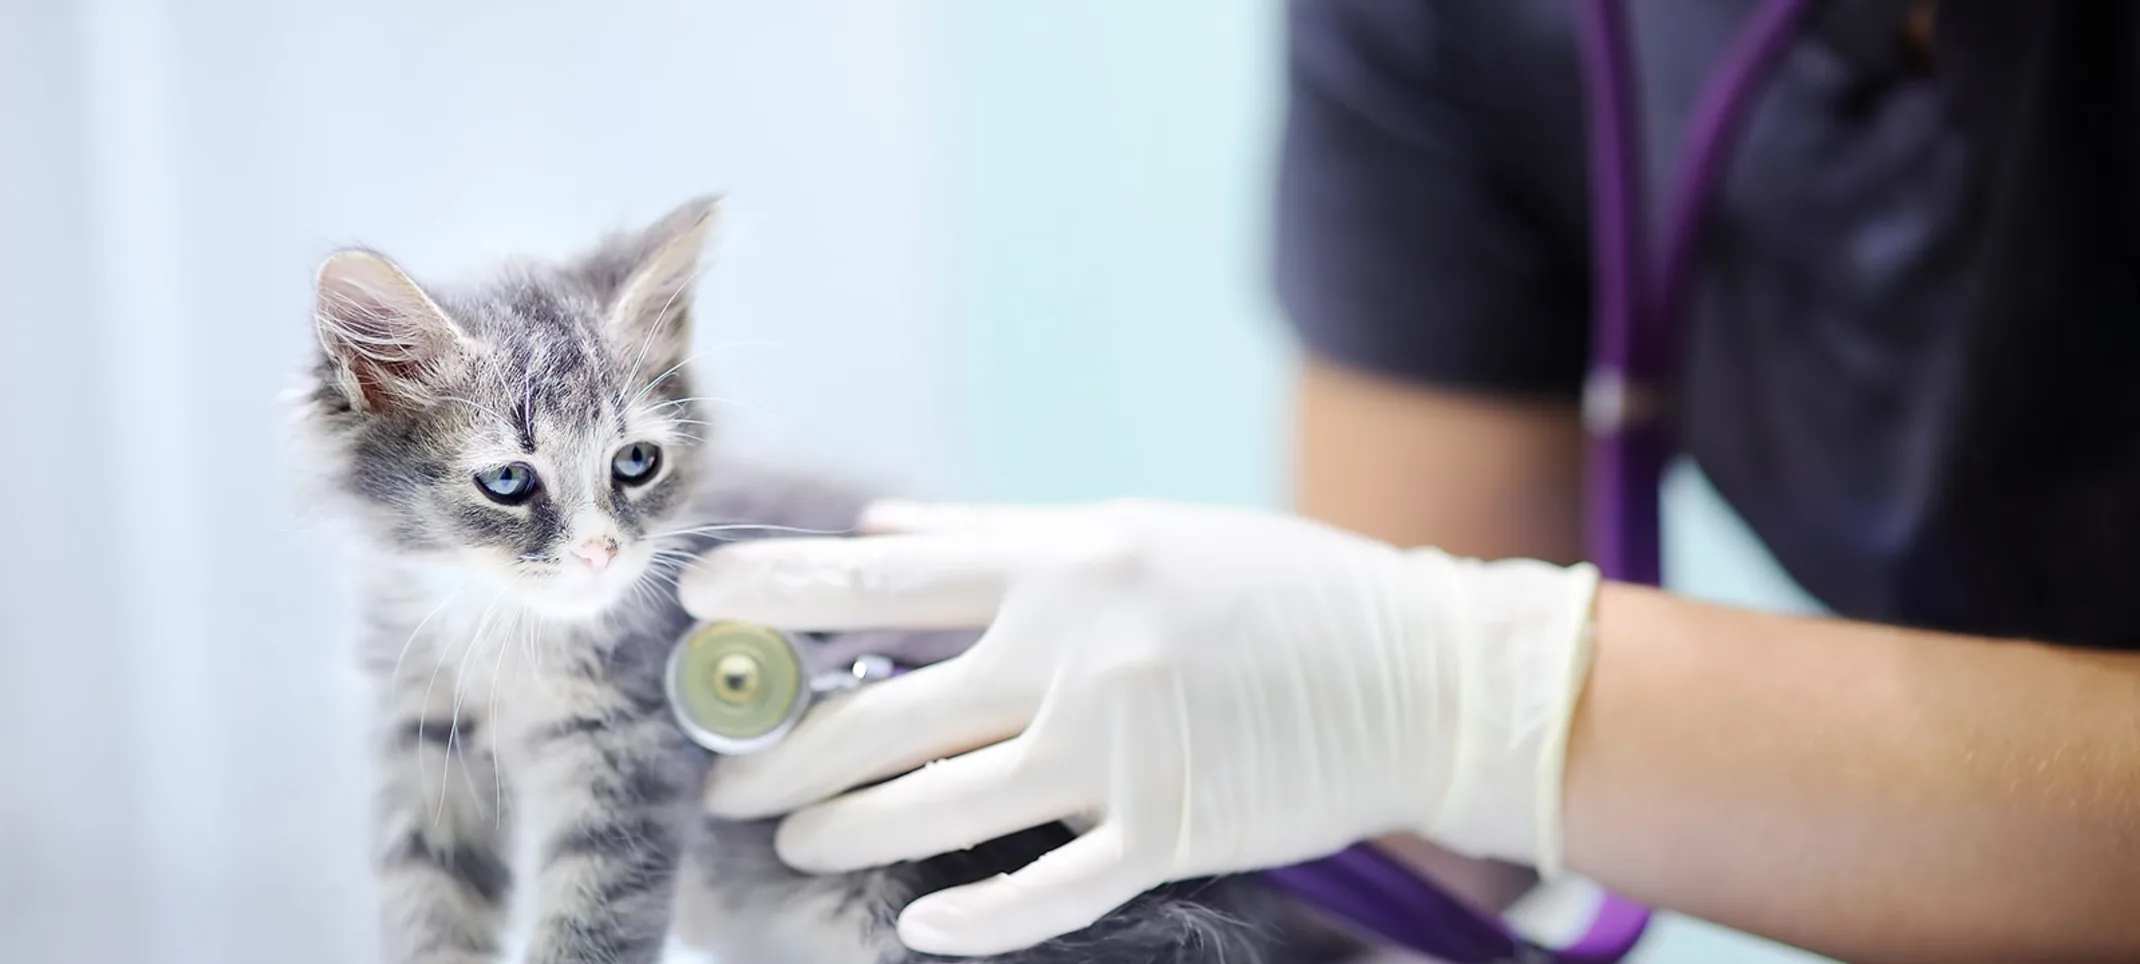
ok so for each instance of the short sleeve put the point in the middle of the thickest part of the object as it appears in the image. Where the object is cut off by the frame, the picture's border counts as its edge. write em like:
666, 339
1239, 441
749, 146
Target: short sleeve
1429, 213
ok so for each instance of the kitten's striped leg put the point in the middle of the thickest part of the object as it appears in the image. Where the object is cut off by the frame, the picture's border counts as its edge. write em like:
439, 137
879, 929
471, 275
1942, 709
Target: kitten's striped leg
442, 875
618, 785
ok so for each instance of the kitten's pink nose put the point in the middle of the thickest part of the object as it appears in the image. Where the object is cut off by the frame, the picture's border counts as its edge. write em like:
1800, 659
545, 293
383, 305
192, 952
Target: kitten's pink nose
596, 552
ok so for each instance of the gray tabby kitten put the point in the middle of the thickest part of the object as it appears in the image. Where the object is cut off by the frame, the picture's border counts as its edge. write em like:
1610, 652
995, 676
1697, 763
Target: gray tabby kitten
523, 466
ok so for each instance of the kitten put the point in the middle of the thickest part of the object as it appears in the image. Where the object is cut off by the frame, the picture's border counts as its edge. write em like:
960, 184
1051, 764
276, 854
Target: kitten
526, 472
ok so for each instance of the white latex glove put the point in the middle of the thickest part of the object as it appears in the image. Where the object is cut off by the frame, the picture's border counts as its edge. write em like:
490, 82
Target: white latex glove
1209, 690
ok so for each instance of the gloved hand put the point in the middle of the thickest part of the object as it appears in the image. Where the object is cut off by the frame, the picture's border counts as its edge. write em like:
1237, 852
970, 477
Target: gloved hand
1208, 690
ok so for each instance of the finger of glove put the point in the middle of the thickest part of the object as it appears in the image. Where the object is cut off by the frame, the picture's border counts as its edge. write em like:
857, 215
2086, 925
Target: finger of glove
872, 733
878, 582
1064, 890
948, 805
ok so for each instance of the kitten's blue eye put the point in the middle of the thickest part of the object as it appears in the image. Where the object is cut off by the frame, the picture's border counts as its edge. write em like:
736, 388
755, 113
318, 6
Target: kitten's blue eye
636, 463
509, 484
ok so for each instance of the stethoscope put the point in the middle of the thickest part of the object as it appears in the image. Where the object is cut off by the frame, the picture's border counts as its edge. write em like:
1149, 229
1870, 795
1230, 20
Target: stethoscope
738, 688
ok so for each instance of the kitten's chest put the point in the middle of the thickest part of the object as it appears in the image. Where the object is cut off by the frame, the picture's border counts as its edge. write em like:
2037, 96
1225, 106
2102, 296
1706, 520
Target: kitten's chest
516, 673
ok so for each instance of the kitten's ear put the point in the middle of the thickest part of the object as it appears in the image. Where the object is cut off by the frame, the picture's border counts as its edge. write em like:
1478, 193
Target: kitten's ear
648, 282
383, 333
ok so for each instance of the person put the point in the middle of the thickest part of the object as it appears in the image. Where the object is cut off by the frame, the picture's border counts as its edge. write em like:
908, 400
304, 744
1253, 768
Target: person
1908, 365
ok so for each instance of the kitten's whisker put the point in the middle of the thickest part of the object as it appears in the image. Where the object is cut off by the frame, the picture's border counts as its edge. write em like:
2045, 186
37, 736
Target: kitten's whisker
423, 708
642, 594
657, 328
658, 379
749, 527
639, 357
678, 553
395, 677
688, 285
453, 728
497, 766
688, 399
668, 566
468, 768
655, 410
531, 650
690, 563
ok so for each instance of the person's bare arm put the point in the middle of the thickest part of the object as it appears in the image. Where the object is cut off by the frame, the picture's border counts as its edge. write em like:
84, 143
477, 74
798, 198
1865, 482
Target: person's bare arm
1473, 476
1415, 466
1869, 793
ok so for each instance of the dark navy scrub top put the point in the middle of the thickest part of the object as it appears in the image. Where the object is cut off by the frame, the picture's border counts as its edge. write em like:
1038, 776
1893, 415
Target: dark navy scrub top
1913, 361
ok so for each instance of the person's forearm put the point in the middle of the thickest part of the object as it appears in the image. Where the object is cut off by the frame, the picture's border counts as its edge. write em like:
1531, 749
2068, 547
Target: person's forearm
1870, 793
1492, 478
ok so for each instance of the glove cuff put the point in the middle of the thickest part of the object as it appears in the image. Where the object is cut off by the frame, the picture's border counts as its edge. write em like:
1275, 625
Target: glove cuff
1522, 629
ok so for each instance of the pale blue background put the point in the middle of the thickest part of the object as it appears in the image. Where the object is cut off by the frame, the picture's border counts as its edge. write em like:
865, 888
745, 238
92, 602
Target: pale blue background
976, 249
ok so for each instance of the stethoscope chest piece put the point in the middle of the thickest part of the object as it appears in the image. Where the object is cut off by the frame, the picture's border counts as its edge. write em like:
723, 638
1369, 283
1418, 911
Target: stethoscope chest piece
738, 688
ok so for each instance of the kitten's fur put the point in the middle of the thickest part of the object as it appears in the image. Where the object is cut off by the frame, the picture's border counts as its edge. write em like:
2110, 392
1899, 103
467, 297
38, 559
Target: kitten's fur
519, 687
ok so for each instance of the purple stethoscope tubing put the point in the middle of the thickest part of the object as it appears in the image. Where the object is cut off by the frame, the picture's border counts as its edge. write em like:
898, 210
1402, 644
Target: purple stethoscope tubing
1637, 316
